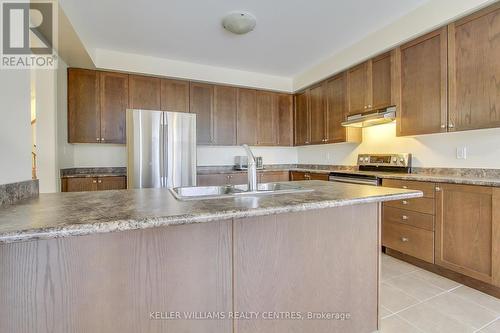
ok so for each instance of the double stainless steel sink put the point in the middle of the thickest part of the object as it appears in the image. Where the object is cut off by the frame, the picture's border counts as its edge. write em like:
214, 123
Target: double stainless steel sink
230, 191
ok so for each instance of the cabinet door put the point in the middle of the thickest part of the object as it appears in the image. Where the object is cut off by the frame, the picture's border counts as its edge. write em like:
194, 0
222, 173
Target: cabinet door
79, 184
285, 119
225, 103
144, 92
381, 81
423, 89
464, 224
359, 88
267, 118
474, 71
247, 116
202, 103
317, 111
336, 106
212, 180
111, 183
114, 104
174, 95
299, 175
83, 106
302, 121
274, 176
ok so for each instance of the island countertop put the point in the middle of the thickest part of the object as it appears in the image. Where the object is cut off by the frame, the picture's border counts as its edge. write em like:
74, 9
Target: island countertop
75, 214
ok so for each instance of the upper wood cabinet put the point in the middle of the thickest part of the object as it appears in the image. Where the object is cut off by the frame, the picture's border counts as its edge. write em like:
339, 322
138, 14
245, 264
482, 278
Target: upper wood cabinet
474, 71
145, 92
317, 113
97, 102
285, 119
336, 110
382, 70
302, 133
114, 103
84, 114
247, 117
467, 230
359, 88
174, 95
225, 103
202, 104
267, 118
423, 87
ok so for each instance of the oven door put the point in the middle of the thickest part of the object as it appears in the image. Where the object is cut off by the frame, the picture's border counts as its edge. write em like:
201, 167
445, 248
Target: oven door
355, 179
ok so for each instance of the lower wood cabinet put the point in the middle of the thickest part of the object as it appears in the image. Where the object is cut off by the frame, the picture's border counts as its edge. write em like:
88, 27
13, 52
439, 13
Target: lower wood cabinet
453, 226
302, 175
84, 184
238, 178
467, 231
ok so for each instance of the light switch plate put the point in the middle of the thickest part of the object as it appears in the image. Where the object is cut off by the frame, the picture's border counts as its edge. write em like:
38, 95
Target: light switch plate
462, 153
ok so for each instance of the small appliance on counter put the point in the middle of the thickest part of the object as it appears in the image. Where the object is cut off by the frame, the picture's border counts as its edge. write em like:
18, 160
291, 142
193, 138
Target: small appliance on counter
241, 163
379, 163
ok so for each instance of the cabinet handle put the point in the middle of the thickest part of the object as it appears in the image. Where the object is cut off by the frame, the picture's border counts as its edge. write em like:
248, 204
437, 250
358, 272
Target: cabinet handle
369, 105
94, 181
102, 139
438, 188
97, 139
443, 126
405, 202
99, 181
405, 239
404, 217
307, 142
450, 125
405, 187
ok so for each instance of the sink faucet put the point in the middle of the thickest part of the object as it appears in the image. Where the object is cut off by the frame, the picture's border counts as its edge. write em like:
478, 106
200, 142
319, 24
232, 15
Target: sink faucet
252, 169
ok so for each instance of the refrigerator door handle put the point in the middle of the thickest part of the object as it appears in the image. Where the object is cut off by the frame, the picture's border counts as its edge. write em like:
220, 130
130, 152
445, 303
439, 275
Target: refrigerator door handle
162, 158
166, 159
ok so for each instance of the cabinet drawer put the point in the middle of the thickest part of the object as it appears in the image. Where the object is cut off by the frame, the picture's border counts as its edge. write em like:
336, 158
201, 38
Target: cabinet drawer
415, 242
421, 205
429, 189
408, 217
273, 176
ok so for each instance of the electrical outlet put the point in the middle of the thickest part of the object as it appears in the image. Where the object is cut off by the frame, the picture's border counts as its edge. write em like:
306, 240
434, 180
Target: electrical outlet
462, 153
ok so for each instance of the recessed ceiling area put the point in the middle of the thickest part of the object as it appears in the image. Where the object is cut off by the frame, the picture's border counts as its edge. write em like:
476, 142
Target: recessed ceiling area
290, 36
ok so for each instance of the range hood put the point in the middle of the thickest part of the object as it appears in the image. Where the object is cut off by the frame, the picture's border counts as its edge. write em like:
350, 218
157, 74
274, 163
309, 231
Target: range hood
373, 118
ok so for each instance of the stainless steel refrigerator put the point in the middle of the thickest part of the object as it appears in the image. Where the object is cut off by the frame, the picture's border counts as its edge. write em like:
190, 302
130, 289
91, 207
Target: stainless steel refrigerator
161, 149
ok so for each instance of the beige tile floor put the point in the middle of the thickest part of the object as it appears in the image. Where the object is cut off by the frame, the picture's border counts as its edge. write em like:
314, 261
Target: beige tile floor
415, 300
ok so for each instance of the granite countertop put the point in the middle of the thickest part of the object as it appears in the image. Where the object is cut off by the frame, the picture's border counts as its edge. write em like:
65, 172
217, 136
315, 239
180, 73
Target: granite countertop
81, 213
93, 172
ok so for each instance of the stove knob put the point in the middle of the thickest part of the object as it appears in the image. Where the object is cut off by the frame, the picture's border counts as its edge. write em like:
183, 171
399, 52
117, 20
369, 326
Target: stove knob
402, 160
367, 160
394, 159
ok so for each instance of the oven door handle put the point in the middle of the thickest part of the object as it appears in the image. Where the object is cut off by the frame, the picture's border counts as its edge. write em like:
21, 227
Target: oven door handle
354, 180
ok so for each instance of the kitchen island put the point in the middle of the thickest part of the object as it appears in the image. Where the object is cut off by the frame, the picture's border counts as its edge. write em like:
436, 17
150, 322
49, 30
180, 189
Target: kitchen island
146, 262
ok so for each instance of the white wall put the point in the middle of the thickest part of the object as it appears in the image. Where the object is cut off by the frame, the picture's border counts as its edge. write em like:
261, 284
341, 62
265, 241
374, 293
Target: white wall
15, 126
430, 15
65, 150
99, 155
179, 69
435, 150
212, 156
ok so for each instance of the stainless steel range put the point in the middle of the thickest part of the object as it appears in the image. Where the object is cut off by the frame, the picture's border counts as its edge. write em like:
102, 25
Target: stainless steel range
370, 165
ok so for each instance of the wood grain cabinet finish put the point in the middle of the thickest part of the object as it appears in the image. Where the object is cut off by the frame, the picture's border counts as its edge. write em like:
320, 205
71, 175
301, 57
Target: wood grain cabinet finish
303, 175
202, 104
86, 184
144, 92
465, 230
285, 119
381, 78
247, 117
423, 85
273, 176
113, 106
474, 71
84, 114
267, 118
413, 241
225, 104
174, 95
317, 111
302, 119
359, 88
237, 178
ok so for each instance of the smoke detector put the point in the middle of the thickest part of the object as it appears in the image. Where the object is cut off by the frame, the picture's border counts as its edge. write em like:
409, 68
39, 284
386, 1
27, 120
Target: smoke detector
239, 23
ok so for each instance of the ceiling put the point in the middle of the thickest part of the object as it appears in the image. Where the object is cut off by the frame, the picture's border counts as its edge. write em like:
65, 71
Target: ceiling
290, 36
